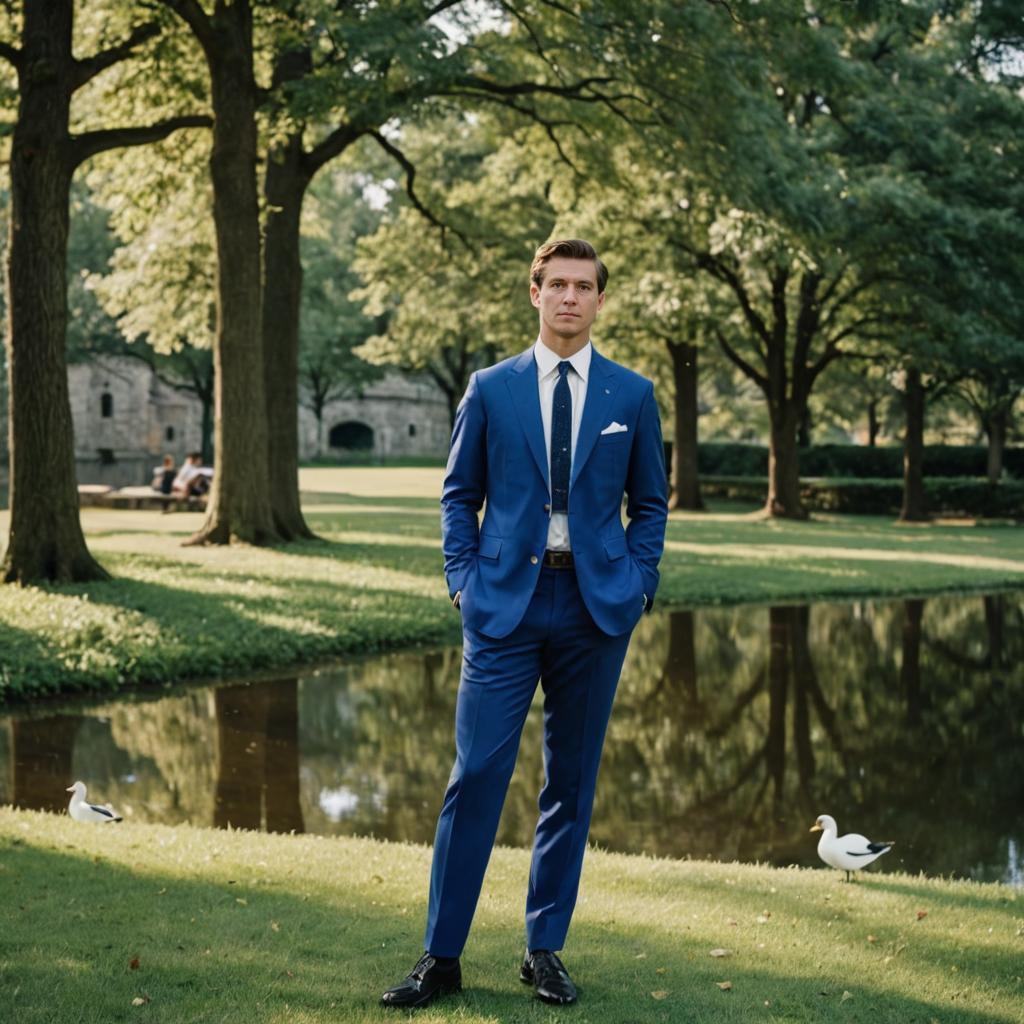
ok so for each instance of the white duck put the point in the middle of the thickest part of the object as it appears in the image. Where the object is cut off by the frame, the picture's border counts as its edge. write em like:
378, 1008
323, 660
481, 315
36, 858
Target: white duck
80, 810
848, 853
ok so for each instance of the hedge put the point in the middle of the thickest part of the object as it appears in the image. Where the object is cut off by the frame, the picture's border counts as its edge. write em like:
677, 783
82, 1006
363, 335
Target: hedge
944, 495
848, 461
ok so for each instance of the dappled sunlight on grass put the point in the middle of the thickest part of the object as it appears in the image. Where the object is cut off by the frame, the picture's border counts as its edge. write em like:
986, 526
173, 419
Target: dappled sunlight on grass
771, 552
243, 925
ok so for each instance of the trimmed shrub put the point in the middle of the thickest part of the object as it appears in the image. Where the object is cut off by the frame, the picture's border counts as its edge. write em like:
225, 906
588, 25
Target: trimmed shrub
944, 495
851, 461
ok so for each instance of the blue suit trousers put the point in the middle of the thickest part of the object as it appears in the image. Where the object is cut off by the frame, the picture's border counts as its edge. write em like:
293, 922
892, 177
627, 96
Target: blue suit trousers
578, 666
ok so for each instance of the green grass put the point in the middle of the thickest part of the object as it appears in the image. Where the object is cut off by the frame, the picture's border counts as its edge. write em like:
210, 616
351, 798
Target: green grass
374, 582
248, 927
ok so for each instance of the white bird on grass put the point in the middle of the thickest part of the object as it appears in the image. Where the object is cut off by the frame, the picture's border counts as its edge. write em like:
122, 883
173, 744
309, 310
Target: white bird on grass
848, 853
80, 810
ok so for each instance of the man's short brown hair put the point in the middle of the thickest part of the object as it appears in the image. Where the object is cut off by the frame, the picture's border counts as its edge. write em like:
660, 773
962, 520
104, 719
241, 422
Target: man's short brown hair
570, 249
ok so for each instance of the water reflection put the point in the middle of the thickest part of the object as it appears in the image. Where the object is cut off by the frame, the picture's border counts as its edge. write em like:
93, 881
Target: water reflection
733, 729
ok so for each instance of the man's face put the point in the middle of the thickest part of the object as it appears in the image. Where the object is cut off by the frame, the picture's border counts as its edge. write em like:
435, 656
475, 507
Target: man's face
568, 299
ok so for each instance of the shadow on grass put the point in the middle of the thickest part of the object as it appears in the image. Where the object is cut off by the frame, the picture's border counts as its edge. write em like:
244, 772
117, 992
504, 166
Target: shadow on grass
260, 623
273, 947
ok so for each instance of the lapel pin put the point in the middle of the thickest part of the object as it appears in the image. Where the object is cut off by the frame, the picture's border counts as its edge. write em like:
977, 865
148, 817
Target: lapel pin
606, 391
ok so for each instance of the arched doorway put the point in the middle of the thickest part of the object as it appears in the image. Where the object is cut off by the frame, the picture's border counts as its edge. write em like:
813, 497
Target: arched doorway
352, 436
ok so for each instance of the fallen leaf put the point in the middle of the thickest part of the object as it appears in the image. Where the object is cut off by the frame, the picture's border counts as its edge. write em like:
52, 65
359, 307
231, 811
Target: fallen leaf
133, 964
640, 956
845, 996
762, 919
660, 970
140, 1000
725, 986
921, 914
241, 902
659, 994
871, 938
720, 952
274, 926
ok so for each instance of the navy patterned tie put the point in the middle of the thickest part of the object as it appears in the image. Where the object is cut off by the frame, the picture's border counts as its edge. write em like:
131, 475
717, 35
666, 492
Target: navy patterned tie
561, 441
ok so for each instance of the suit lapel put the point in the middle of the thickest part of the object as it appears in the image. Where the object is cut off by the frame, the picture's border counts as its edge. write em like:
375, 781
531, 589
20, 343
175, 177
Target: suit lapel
522, 386
601, 388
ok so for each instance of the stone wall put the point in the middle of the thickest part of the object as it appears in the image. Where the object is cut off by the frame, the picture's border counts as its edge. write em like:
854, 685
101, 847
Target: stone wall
126, 420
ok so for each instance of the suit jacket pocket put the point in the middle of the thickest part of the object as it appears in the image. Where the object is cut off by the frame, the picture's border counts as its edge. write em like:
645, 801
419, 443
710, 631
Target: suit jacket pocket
489, 546
615, 548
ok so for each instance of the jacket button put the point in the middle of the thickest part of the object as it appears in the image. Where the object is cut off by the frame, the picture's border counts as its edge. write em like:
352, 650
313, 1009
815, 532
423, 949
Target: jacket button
533, 559
547, 507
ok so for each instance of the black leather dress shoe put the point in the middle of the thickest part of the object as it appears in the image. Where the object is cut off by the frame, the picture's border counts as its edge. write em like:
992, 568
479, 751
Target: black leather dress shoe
428, 980
547, 974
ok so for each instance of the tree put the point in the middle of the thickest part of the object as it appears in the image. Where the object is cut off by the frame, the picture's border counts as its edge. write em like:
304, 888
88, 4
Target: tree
46, 540
239, 507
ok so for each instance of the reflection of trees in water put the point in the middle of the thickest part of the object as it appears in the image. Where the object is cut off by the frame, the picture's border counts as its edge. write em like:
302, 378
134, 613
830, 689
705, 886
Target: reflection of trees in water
378, 745
820, 719
41, 761
258, 756
732, 729
169, 749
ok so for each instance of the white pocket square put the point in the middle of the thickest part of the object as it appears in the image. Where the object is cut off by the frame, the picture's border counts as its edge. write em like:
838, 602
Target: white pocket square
614, 428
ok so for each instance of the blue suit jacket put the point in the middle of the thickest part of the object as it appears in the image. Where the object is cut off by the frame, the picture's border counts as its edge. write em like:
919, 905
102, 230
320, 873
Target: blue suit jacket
497, 453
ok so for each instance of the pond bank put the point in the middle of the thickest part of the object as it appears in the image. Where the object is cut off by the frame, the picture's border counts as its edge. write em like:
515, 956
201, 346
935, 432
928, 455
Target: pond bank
220, 925
374, 583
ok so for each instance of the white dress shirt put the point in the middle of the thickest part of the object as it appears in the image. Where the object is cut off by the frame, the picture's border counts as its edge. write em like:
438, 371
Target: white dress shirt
547, 377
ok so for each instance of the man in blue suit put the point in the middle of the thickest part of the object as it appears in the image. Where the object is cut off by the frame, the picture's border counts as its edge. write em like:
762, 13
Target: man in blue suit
550, 587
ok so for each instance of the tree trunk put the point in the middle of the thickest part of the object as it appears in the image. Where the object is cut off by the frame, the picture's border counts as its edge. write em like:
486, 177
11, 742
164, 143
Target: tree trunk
784, 463
241, 715
681, 662
206, 437
239, 506
914, 505
42, 752
873, 424
910, 664
284, 188
685, 479
778, 684
45, 540
996, 429
803, 437
283, 792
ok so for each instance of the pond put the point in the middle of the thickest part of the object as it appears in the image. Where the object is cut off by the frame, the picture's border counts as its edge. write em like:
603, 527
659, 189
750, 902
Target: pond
732, 730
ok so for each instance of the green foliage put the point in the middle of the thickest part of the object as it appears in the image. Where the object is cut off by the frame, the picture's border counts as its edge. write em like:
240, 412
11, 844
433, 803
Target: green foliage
946, 496
853, 461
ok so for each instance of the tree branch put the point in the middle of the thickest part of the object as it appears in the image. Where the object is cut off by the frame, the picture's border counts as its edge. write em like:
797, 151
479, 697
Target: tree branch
90, 67
192, 13
328, 148
734, 357
88, 145
410, 177
11, 54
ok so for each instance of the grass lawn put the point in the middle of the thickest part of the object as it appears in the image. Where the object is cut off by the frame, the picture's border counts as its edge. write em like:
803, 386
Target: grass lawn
375, 582
152, 923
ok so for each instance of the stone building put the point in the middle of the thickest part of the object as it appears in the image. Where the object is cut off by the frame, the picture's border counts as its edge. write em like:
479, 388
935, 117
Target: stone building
126, 420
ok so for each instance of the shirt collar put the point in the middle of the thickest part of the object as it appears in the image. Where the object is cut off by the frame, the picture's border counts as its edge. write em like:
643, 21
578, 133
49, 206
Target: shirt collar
547, 360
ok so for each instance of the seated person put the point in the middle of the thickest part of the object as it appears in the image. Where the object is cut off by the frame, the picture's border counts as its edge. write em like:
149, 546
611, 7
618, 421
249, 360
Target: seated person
163, 476
191, 480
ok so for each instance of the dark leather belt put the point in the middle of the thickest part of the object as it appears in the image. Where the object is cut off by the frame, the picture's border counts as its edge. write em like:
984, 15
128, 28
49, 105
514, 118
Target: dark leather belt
558, 559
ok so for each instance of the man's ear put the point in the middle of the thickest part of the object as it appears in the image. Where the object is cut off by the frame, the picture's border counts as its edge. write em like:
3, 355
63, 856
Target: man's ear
600, 301
534, 295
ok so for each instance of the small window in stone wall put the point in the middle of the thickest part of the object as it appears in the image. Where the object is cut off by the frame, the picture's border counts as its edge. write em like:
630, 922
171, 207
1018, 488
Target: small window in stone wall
106, 405
412, 429
106, 456
169, 434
